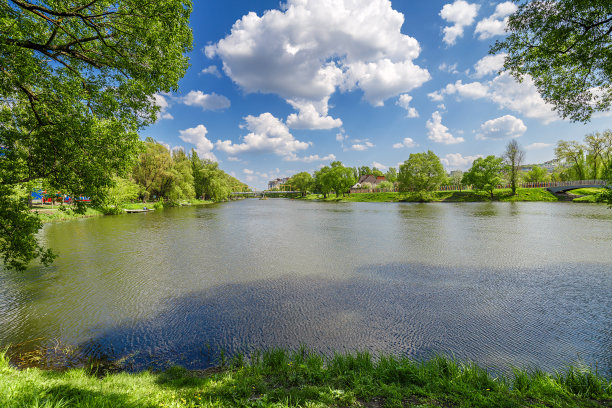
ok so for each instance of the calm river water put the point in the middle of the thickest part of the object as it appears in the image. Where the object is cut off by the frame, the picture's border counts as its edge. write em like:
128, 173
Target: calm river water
502, 284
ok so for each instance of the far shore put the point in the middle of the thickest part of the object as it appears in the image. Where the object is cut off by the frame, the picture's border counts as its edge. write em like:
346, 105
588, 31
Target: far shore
502, 195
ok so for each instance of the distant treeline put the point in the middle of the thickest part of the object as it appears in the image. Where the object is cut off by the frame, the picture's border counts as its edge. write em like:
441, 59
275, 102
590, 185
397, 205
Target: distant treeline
423, 172
172, 176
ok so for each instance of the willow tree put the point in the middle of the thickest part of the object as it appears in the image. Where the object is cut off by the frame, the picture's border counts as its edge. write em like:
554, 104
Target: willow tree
77, 82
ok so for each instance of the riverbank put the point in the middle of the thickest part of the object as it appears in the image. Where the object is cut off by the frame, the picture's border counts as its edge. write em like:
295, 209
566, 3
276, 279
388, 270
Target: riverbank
65, 212
522, 194
281, 379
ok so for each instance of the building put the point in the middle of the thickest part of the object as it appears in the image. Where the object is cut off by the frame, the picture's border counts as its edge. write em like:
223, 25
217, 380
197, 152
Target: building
370, 178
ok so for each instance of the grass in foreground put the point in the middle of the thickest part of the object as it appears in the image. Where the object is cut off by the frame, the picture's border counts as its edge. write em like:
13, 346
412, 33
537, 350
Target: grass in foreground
522, 194
281, 379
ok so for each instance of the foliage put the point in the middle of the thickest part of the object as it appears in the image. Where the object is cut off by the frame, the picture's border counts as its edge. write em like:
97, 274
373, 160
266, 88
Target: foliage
421, 172
391, 175
301, 182
572, 154
485, 174
323, 181
536, 174
341, 178
513, 158
77, 81
456, 177
385, 185
566, 47
279, 379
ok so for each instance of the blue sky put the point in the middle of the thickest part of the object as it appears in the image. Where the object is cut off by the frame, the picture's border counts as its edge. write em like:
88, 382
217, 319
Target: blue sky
278, 88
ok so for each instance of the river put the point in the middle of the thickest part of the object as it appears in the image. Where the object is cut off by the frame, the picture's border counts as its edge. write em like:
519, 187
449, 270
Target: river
502, 284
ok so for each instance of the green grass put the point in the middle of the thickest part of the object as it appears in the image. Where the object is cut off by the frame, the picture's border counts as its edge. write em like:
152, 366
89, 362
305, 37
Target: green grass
522, 194
278, 378
586, 191
65, 213
57, 214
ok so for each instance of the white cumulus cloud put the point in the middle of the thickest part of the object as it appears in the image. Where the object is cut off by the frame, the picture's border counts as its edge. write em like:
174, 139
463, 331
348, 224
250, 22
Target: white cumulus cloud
456, 161
197, 137
462, 14
407, 142
206, 101
379, 166
489, 64
506, 92
504, 127
361, 146
311, 115
310, 159
311, 48
438, 132
248, 171
164, 105
404, 102
497, 22
212, 70
537, 145
267, 134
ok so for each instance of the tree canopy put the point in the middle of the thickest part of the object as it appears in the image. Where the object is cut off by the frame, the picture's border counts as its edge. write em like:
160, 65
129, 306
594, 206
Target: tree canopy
77, 81
421, 172
485, 174
566, 47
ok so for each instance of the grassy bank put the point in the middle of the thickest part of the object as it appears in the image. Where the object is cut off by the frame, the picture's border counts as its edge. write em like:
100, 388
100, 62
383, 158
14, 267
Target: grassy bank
522, 194
301, 379
65, 212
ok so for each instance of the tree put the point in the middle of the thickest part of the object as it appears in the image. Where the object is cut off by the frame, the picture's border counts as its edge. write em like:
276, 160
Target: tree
323, 181
302, 182
364, 171
537, 174
485, 174
566, 47
152, 169
391, 174
77, 81
572, 153
513, 157
341, 178
599, 148
456, 177
376, 172
421, 172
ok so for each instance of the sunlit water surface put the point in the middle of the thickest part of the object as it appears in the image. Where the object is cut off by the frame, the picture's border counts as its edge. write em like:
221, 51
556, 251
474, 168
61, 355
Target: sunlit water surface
503, 284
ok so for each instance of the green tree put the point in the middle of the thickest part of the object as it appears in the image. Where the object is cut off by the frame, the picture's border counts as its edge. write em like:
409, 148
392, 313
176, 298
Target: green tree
301, 182
421, 172
77, 81
182, 178
341, 178
385, 185
198, 178
456, 177
537, 174
599, 148
391, 175
566, 47
572, 154
153, 169
513, 158
364, 171
485, 174
376, 172
323, 181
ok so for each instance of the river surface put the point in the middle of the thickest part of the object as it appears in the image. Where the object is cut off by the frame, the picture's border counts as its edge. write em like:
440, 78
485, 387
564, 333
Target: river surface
502, 284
